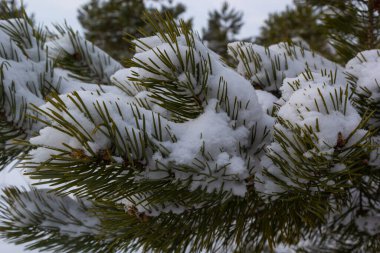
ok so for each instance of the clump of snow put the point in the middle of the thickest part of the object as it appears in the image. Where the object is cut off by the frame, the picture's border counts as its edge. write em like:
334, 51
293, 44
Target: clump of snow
142, 207
310, 79
326, 114
28, 74
147, 43
89, 131
318, 107
266, 100
362, 212
364, 74
120, 79
338, 167
211, 146
268, 67
374, 159
59, 46
369, 223
365, 67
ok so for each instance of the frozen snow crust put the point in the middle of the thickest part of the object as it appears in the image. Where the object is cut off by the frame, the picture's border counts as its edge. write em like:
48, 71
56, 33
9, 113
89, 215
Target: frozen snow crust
285, 120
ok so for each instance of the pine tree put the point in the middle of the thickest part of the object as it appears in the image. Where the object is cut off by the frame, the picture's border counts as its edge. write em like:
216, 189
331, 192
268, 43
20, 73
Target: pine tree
108, 23
301, 21
363, 31
178, 152
222, 28
345, 26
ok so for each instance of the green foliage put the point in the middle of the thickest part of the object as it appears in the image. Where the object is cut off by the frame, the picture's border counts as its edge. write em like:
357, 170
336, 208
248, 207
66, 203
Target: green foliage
185, 100
85, 62
336, 29
15, 125
301, 21
222, 28
113, 135
361, 34
39, 214
363, 31
108, 23
12, 9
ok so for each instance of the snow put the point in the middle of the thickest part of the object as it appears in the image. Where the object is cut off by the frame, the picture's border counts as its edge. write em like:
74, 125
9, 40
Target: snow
207, 136
210, 144
318, 106
374, 159
314, 105
267, 67
60, 45
214, 135
310, 79
51, 211
364, 213
54, 141
205, 152
369, 224
366, 68
364, 72
21, 32
11, 177
266, 100
71, 43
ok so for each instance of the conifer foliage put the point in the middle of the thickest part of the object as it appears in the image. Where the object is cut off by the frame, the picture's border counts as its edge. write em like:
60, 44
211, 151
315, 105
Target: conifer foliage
108, 23
297, 23
177, 152
337, 29
363, 31
223, 26
12, 9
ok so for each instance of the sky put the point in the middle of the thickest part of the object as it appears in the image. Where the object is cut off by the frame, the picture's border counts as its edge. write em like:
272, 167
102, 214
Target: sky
255, 12
57, 11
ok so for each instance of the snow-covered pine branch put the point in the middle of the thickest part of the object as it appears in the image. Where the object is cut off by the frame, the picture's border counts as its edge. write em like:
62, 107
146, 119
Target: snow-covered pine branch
177, 151
59, 223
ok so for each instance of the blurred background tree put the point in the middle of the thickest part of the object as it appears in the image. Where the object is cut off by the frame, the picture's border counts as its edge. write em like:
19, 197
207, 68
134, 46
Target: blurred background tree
336, 29
298, 22
106, 23
223, 26
352, 26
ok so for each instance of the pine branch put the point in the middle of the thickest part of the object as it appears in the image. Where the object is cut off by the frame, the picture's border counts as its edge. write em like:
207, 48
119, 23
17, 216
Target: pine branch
19, 44
177, 152
84, 60
47, 222
267, 67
